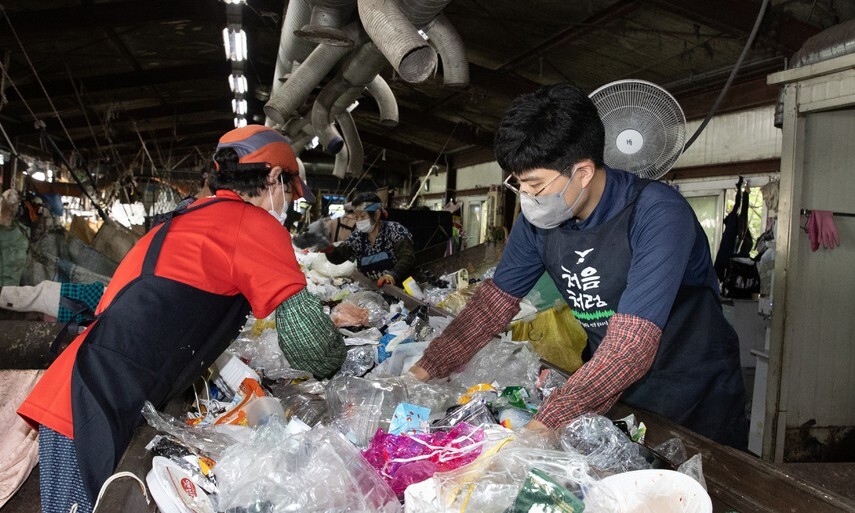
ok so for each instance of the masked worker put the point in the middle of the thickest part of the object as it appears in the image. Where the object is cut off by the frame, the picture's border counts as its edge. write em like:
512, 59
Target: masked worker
631, 261
383, 250
175, 302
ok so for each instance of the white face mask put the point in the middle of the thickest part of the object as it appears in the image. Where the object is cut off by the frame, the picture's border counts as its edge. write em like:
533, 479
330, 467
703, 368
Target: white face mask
279, 216
549, 211
365, 225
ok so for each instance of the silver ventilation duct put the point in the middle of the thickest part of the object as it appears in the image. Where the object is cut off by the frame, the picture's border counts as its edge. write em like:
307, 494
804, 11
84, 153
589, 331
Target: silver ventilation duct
830, 43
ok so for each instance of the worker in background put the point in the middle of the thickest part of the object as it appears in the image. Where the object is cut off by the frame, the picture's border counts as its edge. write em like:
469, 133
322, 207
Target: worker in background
58, 302
383, 250
631, 261
174, 304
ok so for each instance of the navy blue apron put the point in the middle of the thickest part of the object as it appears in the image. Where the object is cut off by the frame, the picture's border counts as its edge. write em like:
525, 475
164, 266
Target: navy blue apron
695, 380
375, 265
153, 340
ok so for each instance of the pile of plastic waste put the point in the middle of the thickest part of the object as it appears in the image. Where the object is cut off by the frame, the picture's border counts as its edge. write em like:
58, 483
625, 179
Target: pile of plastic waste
264, 437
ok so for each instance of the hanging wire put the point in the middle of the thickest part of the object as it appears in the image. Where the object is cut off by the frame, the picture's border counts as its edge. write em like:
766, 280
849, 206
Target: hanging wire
38, 79
432, 166
732, 76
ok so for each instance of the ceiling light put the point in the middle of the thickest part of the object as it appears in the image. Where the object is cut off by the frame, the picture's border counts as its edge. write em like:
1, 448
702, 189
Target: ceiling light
2, 159
240, 122
234, 41
237, 83
313, 143
235, 2
239, 107
352, 106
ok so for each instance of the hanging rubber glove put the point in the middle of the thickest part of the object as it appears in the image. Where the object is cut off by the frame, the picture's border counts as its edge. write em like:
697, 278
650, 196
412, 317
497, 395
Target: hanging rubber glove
827, 230
813, 230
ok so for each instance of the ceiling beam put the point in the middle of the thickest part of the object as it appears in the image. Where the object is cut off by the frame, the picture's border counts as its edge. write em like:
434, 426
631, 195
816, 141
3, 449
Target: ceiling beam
737, 17
741, 96
410, 150
574, 32
146, 78
136, 12
463, 132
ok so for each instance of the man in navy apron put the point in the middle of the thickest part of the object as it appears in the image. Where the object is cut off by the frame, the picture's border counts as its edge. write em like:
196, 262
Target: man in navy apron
631, 261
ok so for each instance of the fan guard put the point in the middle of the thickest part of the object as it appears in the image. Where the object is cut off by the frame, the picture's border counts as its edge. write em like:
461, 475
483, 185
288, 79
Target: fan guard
645, 127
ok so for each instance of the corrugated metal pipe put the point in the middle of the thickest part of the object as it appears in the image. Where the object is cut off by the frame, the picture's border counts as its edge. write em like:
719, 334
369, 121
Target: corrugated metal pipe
352, 143
422, 12
358, 71
291, 48
341, 159
325, 24
412, 57
449, 45
830, 43
386, 103
290, 97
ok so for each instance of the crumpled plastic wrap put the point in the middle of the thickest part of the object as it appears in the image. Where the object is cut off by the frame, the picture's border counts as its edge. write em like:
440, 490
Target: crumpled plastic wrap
503, 362
694, 469
359, 360
312, 472
674, 450
406, 459
306, 401
492, 483
373, 302
475, 413
359, 407
607, 449
263, 354
349, 314
455, 302
202, 438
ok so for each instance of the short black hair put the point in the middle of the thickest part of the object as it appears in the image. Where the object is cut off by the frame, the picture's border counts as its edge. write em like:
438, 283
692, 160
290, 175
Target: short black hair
249, 182
553, 127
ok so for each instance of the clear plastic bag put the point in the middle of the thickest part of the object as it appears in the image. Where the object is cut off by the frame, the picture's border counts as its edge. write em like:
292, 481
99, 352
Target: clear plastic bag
305, 401
373, 302
359, 407
359, 360
694, 469
202, 438
349, 314
492, 483
312, 472
607, 449
264, 355
674, 450
505, 363
475, 413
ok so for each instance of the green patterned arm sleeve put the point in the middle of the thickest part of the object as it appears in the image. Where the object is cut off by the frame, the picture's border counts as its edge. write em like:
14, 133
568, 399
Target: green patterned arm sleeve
307, 336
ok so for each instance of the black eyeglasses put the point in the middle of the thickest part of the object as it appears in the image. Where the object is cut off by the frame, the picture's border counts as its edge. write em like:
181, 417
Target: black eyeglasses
528, 195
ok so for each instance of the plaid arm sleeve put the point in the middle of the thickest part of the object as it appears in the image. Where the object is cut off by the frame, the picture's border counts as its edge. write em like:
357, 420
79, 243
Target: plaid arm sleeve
487, 314
626, 354
307, 336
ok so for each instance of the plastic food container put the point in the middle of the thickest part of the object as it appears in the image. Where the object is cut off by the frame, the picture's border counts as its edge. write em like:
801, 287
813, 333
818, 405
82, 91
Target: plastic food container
174, 490
654, 491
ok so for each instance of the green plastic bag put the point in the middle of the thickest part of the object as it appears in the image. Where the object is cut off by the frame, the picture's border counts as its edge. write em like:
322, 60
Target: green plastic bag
541, 494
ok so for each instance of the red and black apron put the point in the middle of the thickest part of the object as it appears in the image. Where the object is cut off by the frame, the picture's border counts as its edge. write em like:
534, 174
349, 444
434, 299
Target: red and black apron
153, 340
696, 379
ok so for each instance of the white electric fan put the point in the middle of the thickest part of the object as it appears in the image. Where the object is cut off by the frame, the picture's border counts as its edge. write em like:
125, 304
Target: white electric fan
645, 127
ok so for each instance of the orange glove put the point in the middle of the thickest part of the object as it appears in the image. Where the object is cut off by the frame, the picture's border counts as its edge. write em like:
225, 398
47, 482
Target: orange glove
386, 278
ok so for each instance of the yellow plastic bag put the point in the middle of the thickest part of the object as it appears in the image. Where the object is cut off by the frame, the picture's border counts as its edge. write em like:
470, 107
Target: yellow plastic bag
556, 335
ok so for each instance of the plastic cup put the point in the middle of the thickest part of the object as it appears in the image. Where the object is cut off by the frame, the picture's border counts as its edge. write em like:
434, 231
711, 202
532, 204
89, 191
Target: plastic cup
260, 410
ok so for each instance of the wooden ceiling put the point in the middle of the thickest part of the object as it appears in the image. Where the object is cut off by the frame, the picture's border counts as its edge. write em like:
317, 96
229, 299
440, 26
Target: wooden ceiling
133, 84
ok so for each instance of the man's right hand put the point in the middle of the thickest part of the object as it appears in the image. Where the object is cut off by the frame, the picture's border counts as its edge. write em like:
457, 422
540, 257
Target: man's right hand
419, 373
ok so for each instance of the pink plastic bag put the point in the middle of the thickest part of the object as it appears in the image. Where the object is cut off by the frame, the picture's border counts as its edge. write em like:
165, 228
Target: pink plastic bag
406, 459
